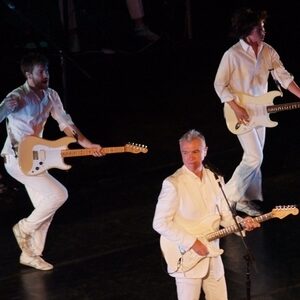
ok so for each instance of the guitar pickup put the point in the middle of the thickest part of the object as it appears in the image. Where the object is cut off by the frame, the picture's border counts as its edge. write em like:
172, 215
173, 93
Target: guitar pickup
39, 155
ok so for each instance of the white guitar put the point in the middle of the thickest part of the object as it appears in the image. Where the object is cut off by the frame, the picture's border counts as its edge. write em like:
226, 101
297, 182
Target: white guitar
183, 261
258, 109
36, 155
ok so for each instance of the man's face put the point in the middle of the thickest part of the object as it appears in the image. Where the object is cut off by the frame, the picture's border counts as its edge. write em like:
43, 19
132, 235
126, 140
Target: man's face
39, 78
258, 33
193, 153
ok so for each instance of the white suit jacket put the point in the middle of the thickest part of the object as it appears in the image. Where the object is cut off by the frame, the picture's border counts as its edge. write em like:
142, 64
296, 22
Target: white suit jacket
188, 207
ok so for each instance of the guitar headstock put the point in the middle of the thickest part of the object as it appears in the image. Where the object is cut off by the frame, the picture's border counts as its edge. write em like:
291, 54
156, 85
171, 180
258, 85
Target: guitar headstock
282, 211
135, 148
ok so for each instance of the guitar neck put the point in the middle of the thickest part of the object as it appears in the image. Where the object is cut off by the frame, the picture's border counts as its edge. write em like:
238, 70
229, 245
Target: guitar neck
282, 107
90, 151
233, 228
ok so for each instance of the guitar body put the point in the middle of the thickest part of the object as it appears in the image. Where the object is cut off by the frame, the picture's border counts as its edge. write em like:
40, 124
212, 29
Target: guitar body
179, 260
257, 110
36, 155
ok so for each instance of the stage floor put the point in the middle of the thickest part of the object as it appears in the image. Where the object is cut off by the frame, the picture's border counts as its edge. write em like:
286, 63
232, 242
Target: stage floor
103, 247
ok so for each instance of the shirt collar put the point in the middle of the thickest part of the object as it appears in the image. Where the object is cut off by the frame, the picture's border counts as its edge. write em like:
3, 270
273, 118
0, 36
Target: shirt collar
246, 46
27, 87
186, 170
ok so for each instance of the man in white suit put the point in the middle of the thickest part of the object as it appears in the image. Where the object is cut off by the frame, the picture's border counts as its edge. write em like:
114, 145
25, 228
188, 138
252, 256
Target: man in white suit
190, 205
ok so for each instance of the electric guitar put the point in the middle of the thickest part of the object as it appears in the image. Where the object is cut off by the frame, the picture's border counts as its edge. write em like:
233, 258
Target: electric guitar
258, 108
179, 260
36, 155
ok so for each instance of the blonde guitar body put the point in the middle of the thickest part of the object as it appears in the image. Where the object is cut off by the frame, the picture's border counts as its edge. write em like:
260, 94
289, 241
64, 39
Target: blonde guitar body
37, 155
258, 109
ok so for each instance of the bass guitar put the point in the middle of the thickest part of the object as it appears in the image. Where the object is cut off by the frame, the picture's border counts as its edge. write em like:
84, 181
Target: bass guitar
259, 108
179, 260
36, 155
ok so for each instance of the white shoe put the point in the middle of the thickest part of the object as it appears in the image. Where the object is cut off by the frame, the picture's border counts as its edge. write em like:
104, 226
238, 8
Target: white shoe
248, 208
35, 262
145, 32
23, 239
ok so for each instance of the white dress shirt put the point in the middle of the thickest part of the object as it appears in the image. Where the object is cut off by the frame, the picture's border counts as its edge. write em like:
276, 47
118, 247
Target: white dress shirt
241, 71
30, 116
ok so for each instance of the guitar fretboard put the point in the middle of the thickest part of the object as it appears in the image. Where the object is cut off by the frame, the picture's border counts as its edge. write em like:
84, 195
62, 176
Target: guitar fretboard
283, 107
90, 151
233, 228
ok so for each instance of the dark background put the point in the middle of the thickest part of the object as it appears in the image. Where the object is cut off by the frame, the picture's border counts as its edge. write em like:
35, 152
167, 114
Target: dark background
101, 241
149, 96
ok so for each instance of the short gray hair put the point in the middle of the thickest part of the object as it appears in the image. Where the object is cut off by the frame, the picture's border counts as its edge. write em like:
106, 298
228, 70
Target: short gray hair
192, 134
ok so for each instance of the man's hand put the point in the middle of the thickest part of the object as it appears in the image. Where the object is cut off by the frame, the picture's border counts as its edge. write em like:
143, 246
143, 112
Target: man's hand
98, 150
11, 103
240, 112
200, 248
250, 223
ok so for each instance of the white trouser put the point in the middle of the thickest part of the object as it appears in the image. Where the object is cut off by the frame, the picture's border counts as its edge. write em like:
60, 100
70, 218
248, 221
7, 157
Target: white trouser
46, 194
190, 288
246, 180
135, 9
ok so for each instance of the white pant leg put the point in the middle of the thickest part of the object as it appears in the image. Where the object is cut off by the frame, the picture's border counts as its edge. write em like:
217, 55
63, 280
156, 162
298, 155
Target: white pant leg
135, 9
213, 285
214, 289
46, 194
188, 288
246, 180
38, 235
